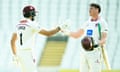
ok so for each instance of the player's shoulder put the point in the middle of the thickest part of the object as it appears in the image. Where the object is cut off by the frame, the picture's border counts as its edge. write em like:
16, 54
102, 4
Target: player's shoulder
102, 19
103, 22
23, 21
22, 24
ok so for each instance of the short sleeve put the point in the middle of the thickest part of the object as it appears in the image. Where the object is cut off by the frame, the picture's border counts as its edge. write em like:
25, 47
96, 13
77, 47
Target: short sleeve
104, 26
36, 28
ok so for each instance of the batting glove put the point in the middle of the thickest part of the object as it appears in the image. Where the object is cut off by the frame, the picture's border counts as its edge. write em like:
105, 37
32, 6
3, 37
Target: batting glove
65, 25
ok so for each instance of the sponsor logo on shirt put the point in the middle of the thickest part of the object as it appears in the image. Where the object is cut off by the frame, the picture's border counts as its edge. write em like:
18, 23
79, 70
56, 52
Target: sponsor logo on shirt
89, 32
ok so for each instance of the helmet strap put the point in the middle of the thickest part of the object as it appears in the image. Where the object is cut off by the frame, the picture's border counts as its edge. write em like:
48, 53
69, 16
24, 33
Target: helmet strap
32, 18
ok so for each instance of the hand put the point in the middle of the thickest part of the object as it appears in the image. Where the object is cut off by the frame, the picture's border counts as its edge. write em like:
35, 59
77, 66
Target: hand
15, 59
65, 25
65, 32
101, 42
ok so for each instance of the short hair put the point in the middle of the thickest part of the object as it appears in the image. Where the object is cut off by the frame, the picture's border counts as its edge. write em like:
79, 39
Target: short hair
96, 6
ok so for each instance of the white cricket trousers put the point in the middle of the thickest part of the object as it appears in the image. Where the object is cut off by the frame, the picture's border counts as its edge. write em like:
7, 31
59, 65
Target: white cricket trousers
90, 61
26, 60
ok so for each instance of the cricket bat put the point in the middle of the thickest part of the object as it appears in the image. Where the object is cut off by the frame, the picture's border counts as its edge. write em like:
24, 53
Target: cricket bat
104, 53
105, 57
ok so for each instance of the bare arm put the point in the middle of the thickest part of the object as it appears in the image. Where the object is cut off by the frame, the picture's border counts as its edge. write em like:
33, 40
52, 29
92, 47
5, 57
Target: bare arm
103, 39
13, 40
77, 34
50, 32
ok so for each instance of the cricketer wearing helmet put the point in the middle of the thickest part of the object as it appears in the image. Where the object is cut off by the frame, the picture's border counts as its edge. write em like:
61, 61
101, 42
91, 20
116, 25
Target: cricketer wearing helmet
90, 56
22, 41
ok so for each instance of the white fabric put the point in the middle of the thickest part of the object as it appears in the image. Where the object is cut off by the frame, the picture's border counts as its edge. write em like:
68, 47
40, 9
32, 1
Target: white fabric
28, 34
90, 61
25, 52
93, 25
26, 63
64, 26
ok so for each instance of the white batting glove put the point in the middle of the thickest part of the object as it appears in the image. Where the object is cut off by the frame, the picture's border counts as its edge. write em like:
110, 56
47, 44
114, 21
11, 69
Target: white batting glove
66, 32
64, 29
65, 25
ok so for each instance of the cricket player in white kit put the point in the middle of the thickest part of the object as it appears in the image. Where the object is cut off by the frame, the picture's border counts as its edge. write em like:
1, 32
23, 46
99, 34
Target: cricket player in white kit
22, 41
90, 61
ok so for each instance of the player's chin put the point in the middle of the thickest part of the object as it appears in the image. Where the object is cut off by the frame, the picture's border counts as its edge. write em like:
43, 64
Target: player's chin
90, 14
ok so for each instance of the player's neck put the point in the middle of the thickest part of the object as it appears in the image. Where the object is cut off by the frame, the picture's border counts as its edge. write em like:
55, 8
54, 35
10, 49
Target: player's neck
31, 18
95, 18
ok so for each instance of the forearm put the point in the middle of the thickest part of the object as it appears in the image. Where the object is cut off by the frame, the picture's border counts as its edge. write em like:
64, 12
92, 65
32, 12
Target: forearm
76, 34
13, 47
50, 32
54, 31
13, 41
103, 38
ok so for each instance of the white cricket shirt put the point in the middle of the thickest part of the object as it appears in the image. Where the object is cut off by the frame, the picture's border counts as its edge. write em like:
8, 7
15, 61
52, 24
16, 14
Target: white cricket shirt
91, 28
26, 31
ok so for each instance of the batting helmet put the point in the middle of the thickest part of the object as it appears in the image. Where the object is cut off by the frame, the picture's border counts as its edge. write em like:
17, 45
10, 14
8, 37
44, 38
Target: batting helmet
87, 43
29, 11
